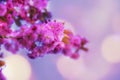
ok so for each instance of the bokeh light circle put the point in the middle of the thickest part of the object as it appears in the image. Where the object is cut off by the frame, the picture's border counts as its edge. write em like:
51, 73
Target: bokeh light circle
17, 68
111, 48
70, 69
80, 70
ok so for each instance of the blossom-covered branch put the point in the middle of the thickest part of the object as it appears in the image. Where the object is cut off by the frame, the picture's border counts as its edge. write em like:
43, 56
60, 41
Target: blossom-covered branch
27, 24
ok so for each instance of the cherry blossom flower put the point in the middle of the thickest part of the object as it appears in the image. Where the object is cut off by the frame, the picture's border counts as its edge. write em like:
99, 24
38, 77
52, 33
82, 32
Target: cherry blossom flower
36, 32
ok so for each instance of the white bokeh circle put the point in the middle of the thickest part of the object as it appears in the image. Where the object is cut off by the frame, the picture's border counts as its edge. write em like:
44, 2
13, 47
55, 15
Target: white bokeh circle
17, 68
111, 48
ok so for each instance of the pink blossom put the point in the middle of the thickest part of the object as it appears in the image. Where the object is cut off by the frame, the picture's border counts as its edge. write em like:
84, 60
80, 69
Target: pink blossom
3, 9
36, 32
40, 4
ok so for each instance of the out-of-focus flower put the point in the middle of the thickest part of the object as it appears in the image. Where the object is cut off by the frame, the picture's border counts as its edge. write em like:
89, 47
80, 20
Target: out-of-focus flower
2, 77
3, 9
40, 4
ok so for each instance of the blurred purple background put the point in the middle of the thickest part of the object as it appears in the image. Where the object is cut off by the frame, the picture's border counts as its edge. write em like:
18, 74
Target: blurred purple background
99, 22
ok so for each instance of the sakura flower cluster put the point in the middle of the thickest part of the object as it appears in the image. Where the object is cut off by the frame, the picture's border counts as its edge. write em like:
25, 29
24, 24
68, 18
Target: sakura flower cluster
27, 25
